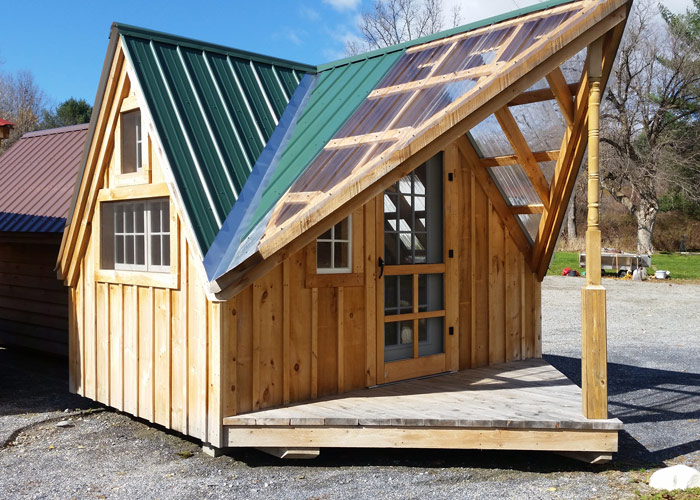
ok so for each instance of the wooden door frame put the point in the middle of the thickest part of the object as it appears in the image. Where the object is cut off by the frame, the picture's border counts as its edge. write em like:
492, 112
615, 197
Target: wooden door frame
449, 359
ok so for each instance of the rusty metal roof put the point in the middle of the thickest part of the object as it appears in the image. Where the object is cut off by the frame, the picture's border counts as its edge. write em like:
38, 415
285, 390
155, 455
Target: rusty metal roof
37, 178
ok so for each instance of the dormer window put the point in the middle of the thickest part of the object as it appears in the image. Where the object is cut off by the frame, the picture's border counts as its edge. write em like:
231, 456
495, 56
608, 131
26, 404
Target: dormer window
132, 139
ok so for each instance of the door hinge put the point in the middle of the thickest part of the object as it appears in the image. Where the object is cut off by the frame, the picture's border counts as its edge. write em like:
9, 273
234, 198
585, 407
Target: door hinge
450, 176
452, 330
451, 253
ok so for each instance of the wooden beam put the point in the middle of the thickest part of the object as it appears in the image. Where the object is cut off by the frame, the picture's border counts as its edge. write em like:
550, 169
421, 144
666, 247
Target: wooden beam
502, 161
467, 74
563, 95
354, 140
524, 153
573, 148
539, 95
527, 209
499, 204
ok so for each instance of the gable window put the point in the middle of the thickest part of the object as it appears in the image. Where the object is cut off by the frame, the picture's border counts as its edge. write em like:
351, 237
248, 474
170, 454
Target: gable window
333, 249
131, 138
136, 235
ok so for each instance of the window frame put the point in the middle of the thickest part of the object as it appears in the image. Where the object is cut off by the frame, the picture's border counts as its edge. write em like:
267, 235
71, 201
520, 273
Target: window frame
333, 240
142, 175
136, 148
147, 233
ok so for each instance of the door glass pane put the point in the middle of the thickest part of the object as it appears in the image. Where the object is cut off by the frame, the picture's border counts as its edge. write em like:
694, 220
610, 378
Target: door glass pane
406, 294
398, 340
391, 334
391, 295
430, 292
431, 333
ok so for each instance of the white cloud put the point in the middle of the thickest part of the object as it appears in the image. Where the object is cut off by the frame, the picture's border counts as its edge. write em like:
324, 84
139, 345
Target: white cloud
343, 4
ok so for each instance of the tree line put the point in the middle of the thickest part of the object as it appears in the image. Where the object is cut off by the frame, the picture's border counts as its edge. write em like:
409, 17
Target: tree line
23, 103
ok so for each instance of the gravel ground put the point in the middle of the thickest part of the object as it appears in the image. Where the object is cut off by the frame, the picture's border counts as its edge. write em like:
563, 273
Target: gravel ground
654, 380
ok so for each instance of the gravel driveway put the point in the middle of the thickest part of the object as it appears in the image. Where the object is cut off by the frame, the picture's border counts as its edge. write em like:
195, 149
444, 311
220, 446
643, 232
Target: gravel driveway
654, 382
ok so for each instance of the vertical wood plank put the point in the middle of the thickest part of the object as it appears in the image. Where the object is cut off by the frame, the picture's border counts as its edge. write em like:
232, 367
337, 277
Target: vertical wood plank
267, 349
116, 347
527, 346
197, 346
74, 385
465, 283
146, 385
379, 291
537, 316
102, 339
513, 289
480, 281
90, 339
451, 179
299, 329
497, 344
131, 350
229, 367
245, 318
214, 407
370, 294
327, 341
286, 331
178, 365
340, 354
162, 360
354, 338
314, 343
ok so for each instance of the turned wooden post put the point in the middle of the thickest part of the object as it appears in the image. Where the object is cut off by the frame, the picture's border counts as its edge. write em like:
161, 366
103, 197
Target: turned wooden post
594, 371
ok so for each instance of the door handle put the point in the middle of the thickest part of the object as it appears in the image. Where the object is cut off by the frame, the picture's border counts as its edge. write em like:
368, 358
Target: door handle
380, 261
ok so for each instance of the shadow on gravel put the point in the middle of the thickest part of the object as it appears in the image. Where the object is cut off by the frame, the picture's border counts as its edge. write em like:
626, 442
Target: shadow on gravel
31, 382
644, 395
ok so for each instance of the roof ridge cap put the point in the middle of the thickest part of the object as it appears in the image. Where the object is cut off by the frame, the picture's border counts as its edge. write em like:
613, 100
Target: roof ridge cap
58, 130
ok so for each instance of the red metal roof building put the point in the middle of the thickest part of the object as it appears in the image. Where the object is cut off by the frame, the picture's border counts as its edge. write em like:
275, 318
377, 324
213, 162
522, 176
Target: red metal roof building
5, 128
37, 178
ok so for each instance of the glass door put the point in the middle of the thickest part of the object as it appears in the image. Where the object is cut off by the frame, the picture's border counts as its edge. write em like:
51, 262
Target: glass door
412, 275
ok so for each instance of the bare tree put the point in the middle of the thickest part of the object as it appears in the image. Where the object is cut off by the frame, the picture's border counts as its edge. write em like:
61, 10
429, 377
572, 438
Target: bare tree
395, 21
21, 102
646, 136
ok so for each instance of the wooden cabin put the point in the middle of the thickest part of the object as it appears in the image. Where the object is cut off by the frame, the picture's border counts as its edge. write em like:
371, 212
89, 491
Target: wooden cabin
37, 180
290, 257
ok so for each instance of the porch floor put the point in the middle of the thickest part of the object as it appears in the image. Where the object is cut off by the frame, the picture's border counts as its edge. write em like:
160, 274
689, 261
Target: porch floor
529, 396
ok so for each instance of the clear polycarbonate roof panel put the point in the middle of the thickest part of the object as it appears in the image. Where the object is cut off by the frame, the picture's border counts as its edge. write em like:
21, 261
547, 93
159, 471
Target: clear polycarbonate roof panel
515, 185
547, 168
427, 82
490, 140
531, 224
541, 124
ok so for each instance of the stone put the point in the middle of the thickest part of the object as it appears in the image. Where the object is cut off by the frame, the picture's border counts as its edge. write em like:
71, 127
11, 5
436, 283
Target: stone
678, 477
65, 423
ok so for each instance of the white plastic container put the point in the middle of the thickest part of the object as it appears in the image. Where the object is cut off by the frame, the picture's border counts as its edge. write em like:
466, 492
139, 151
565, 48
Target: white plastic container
662, 275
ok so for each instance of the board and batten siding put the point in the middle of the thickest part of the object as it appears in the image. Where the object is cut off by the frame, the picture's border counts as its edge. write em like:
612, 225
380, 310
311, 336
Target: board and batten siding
33, 303
293, 335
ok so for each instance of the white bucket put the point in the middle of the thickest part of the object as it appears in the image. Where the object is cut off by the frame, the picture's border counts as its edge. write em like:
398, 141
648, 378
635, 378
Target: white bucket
662, 275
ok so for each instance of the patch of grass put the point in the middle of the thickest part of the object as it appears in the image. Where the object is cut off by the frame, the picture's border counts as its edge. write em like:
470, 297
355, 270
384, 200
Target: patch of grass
689, 494
185, 454
681, 266
562, 260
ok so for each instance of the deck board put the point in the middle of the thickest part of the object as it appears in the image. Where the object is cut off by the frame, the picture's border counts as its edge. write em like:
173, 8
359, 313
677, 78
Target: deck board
529, 394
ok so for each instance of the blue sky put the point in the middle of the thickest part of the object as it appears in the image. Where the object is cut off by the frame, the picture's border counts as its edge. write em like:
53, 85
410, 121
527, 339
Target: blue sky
63, 43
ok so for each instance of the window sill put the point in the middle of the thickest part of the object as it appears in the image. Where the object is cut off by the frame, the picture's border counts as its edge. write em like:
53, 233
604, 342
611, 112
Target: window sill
138, 278
335, 280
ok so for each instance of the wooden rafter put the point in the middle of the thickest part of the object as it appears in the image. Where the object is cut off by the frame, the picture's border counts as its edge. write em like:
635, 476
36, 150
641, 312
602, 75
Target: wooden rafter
502, 161
525, 157
494, 194
534, 208
539, 95
467, 74
562, 93
573, 148
354, 140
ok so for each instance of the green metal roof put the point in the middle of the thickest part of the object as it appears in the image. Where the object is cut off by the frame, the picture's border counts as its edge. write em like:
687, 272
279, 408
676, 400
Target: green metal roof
214, 108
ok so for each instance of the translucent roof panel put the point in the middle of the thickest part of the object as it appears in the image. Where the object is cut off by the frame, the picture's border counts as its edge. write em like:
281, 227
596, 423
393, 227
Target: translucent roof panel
489, 139
541, 124
547, 168
427, 83
514, 185
531, 224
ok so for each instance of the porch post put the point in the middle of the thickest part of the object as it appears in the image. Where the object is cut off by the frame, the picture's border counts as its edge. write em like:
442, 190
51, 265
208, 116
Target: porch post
594, 376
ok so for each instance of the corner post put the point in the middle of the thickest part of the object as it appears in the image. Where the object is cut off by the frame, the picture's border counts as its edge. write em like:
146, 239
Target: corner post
594, 376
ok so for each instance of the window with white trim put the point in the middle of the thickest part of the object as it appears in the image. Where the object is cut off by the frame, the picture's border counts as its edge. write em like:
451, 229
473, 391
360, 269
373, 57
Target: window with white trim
136, 235
334, 249
132, 141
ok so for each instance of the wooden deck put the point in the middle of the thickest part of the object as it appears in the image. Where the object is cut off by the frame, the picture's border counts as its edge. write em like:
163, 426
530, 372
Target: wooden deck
517, 405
